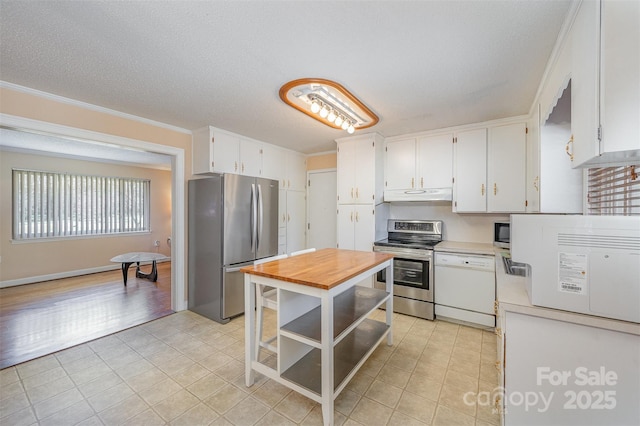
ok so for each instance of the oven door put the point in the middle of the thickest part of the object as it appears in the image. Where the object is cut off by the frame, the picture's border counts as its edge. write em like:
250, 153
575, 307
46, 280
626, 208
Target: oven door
412, 278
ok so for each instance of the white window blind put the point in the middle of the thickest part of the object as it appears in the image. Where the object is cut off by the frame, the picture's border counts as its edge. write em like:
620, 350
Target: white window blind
614, 191
49, 204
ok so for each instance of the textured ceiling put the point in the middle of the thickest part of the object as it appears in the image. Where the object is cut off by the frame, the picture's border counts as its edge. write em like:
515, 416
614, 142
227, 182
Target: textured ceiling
418, 65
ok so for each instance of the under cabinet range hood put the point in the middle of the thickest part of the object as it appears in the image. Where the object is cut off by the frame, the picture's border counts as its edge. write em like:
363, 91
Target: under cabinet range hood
426, 194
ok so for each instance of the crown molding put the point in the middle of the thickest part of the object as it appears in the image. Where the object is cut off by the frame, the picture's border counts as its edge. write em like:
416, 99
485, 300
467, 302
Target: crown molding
88, 106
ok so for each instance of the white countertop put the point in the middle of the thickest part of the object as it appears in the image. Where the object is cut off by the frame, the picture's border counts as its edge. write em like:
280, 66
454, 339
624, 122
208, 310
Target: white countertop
466, 248
512, 296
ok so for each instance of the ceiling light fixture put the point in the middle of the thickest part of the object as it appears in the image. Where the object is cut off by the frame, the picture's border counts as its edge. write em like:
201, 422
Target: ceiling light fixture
329, 103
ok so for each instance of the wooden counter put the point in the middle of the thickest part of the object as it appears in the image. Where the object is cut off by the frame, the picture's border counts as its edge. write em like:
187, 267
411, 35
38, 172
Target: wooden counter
324, 334
323, 269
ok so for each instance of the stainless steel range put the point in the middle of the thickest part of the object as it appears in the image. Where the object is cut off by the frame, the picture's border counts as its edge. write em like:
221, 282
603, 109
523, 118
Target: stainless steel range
411, 242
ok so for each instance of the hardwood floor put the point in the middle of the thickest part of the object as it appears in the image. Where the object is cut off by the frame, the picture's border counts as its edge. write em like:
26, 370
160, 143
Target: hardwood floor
42, 318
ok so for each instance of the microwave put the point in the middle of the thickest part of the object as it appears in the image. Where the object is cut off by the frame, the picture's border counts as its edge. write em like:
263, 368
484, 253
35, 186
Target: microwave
585, 264
502, 234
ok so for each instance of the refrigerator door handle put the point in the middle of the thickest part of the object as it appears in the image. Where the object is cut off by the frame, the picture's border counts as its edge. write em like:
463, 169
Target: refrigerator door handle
260, 217
253, 217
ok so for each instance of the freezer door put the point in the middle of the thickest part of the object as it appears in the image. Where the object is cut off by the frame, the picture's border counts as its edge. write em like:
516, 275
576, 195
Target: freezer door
239, 219
267, 221
233, 291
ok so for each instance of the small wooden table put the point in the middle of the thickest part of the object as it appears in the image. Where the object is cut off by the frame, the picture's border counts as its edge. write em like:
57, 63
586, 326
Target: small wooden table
324, 333
128, 259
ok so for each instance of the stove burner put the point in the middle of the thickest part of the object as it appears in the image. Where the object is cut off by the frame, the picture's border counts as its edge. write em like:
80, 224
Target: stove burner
407, 244
412, 234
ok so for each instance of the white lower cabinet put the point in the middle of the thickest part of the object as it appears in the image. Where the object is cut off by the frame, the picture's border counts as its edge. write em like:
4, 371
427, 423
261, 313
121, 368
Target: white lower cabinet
356, 226
558, 372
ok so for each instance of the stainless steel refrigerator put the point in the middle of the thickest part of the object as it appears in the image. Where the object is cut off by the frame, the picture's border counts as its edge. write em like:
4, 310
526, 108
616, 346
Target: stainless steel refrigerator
233, 221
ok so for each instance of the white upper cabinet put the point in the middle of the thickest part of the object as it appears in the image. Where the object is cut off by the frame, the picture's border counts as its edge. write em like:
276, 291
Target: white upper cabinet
416, 166
490, 170
215, 151
435, 161
289, 168
553, 186
400, 166
250, 157
605, 96
272, 162
470, 187
359, 172
295, 171
506, 171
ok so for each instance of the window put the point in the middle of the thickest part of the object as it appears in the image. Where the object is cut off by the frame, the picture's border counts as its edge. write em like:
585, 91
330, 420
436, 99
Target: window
614, 191
47, 204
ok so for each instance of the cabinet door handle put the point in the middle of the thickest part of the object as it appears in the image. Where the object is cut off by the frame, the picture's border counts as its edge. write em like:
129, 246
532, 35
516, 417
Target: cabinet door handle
235, 167
242, 167
566, 148
351, 216
357, 216
495, 189
421, 182
357, 194
412, 180
288, 217
351, 192
482, 189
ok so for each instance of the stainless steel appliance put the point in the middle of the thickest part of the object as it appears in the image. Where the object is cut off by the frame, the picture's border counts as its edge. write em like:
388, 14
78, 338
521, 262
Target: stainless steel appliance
502, 234
412, 242
233, 221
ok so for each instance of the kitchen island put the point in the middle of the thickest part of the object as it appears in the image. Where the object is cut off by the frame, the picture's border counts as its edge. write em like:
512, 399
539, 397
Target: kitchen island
324, 334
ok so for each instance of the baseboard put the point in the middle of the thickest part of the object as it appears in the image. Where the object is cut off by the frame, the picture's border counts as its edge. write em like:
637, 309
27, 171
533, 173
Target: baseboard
66, 274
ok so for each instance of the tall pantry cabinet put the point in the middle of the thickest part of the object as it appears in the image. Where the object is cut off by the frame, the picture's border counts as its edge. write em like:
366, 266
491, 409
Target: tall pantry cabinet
360, 186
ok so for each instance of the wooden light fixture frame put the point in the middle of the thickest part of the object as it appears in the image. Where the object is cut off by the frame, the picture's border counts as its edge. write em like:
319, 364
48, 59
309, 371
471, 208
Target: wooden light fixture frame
285, 89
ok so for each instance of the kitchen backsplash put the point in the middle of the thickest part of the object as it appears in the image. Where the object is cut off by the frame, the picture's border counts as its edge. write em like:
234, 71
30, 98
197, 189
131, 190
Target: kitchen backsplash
474, 228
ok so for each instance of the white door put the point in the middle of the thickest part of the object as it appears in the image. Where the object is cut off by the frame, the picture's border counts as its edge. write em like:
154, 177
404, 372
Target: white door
321, 209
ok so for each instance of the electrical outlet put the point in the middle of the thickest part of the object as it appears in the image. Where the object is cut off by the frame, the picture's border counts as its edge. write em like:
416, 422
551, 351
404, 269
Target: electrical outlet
157, 243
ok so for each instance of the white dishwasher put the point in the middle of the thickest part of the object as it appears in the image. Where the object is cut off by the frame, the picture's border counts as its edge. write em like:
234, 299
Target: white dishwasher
465, 288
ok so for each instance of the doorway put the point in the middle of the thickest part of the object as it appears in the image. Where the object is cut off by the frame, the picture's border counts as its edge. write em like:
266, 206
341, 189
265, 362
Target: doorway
178, 224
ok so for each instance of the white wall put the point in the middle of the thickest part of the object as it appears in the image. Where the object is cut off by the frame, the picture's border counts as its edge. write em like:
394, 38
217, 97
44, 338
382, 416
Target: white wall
473, 228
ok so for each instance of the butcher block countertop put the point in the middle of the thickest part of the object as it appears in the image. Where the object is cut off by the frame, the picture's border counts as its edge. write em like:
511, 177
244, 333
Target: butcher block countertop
323, 269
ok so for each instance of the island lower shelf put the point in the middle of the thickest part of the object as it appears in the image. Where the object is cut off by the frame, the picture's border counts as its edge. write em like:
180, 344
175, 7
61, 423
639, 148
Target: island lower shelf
349, 307
351, 352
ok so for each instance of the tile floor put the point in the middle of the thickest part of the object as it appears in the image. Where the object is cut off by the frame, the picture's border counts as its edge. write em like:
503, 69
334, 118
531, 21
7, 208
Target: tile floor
184, 369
